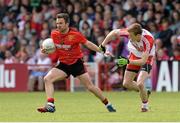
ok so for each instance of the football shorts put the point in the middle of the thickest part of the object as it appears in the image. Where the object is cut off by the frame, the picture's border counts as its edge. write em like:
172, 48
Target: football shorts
75, 69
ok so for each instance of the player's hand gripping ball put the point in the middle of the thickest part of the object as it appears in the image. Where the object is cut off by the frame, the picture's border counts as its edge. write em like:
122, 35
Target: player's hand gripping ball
48, 46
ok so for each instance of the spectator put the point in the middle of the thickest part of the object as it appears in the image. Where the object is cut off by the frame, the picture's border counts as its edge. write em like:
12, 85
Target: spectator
90, 12
176, 54
162, 55
12, 43
9, 58
99, 8
165, 35
98, 20
175, 19
37, 19
2, 52
108, 20
86, 30
153, 29
75, 21
37, 74
77, 7
84, 18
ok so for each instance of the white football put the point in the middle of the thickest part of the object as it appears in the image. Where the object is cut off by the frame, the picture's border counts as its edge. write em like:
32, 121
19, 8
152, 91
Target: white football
49, 45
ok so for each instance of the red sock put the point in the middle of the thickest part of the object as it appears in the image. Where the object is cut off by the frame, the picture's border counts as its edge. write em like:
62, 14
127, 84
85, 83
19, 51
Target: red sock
105, 101
50, 100
145, 101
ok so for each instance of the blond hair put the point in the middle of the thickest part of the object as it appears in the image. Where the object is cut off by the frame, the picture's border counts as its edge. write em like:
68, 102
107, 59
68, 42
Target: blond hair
135, 28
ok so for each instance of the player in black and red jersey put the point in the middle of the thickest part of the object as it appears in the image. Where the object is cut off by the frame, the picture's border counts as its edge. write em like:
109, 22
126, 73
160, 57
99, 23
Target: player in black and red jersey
67, 41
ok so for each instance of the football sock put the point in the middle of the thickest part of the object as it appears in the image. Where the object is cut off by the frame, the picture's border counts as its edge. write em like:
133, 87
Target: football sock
105, 101
51, 100
144, 102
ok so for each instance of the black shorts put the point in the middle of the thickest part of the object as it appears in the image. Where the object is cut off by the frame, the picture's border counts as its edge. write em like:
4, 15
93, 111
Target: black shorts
75, 69
145, 67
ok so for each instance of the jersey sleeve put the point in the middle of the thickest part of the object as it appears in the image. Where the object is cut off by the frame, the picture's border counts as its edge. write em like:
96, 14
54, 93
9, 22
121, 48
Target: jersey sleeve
148, 43
81, 38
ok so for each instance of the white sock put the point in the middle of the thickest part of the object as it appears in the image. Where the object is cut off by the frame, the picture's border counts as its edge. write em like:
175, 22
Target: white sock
108, 104
51, 104
145, 105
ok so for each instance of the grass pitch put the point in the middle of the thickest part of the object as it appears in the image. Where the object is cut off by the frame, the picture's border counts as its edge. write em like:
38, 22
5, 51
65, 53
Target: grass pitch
84, 107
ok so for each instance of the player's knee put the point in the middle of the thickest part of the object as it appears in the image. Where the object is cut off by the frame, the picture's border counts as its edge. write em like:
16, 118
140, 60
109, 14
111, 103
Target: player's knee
47, 79
125, 84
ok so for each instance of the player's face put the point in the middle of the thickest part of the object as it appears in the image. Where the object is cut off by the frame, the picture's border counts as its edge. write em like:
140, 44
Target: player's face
61, 25
134, 37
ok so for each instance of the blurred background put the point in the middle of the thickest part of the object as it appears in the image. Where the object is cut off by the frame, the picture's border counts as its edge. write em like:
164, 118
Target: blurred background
24, 23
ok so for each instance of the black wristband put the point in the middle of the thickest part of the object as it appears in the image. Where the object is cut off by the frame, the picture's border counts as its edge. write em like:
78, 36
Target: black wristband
103, 48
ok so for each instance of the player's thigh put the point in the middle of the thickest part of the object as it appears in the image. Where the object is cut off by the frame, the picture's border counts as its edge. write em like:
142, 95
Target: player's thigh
129, 76
143, 75
55, 74
85, 79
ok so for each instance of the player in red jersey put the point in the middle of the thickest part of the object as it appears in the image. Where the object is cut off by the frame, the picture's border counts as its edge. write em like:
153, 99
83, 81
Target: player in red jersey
67, 41
142, 49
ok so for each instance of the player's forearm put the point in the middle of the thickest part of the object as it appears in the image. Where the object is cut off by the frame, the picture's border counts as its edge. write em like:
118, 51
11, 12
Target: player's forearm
92, 46
141, 61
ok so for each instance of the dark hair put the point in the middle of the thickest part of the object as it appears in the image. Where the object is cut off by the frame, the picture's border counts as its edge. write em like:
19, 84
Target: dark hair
135, 28
65, 16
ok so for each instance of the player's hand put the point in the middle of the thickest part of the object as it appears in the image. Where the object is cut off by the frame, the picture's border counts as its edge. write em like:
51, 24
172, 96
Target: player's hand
122, 61
43, 50
102, 48
108, 54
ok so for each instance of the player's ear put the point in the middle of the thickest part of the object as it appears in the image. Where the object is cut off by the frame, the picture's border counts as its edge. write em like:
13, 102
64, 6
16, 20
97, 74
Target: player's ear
67, 24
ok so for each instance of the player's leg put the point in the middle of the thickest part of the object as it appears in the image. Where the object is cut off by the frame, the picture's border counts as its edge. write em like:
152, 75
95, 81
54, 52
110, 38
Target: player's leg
79, 70
85, 79
143, 93
128, 80
143, 75
130, 74
53, 75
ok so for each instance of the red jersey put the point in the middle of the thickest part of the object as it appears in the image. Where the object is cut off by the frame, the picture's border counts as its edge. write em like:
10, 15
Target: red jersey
68, 45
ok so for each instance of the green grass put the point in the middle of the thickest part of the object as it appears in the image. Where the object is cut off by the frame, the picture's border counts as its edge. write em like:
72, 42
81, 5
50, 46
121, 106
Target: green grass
83, 106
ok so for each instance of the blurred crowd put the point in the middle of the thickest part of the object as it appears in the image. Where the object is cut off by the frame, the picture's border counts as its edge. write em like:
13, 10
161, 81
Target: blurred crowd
24, 23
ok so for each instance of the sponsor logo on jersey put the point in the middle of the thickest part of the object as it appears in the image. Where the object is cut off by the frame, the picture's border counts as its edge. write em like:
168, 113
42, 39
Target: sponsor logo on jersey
63, 46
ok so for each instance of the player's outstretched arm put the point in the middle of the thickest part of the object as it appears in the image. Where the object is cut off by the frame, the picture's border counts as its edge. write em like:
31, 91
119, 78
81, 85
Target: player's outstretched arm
92, 46
111, 36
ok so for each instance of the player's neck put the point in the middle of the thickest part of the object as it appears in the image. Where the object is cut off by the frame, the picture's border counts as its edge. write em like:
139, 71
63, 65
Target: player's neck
65, 31
138, 39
